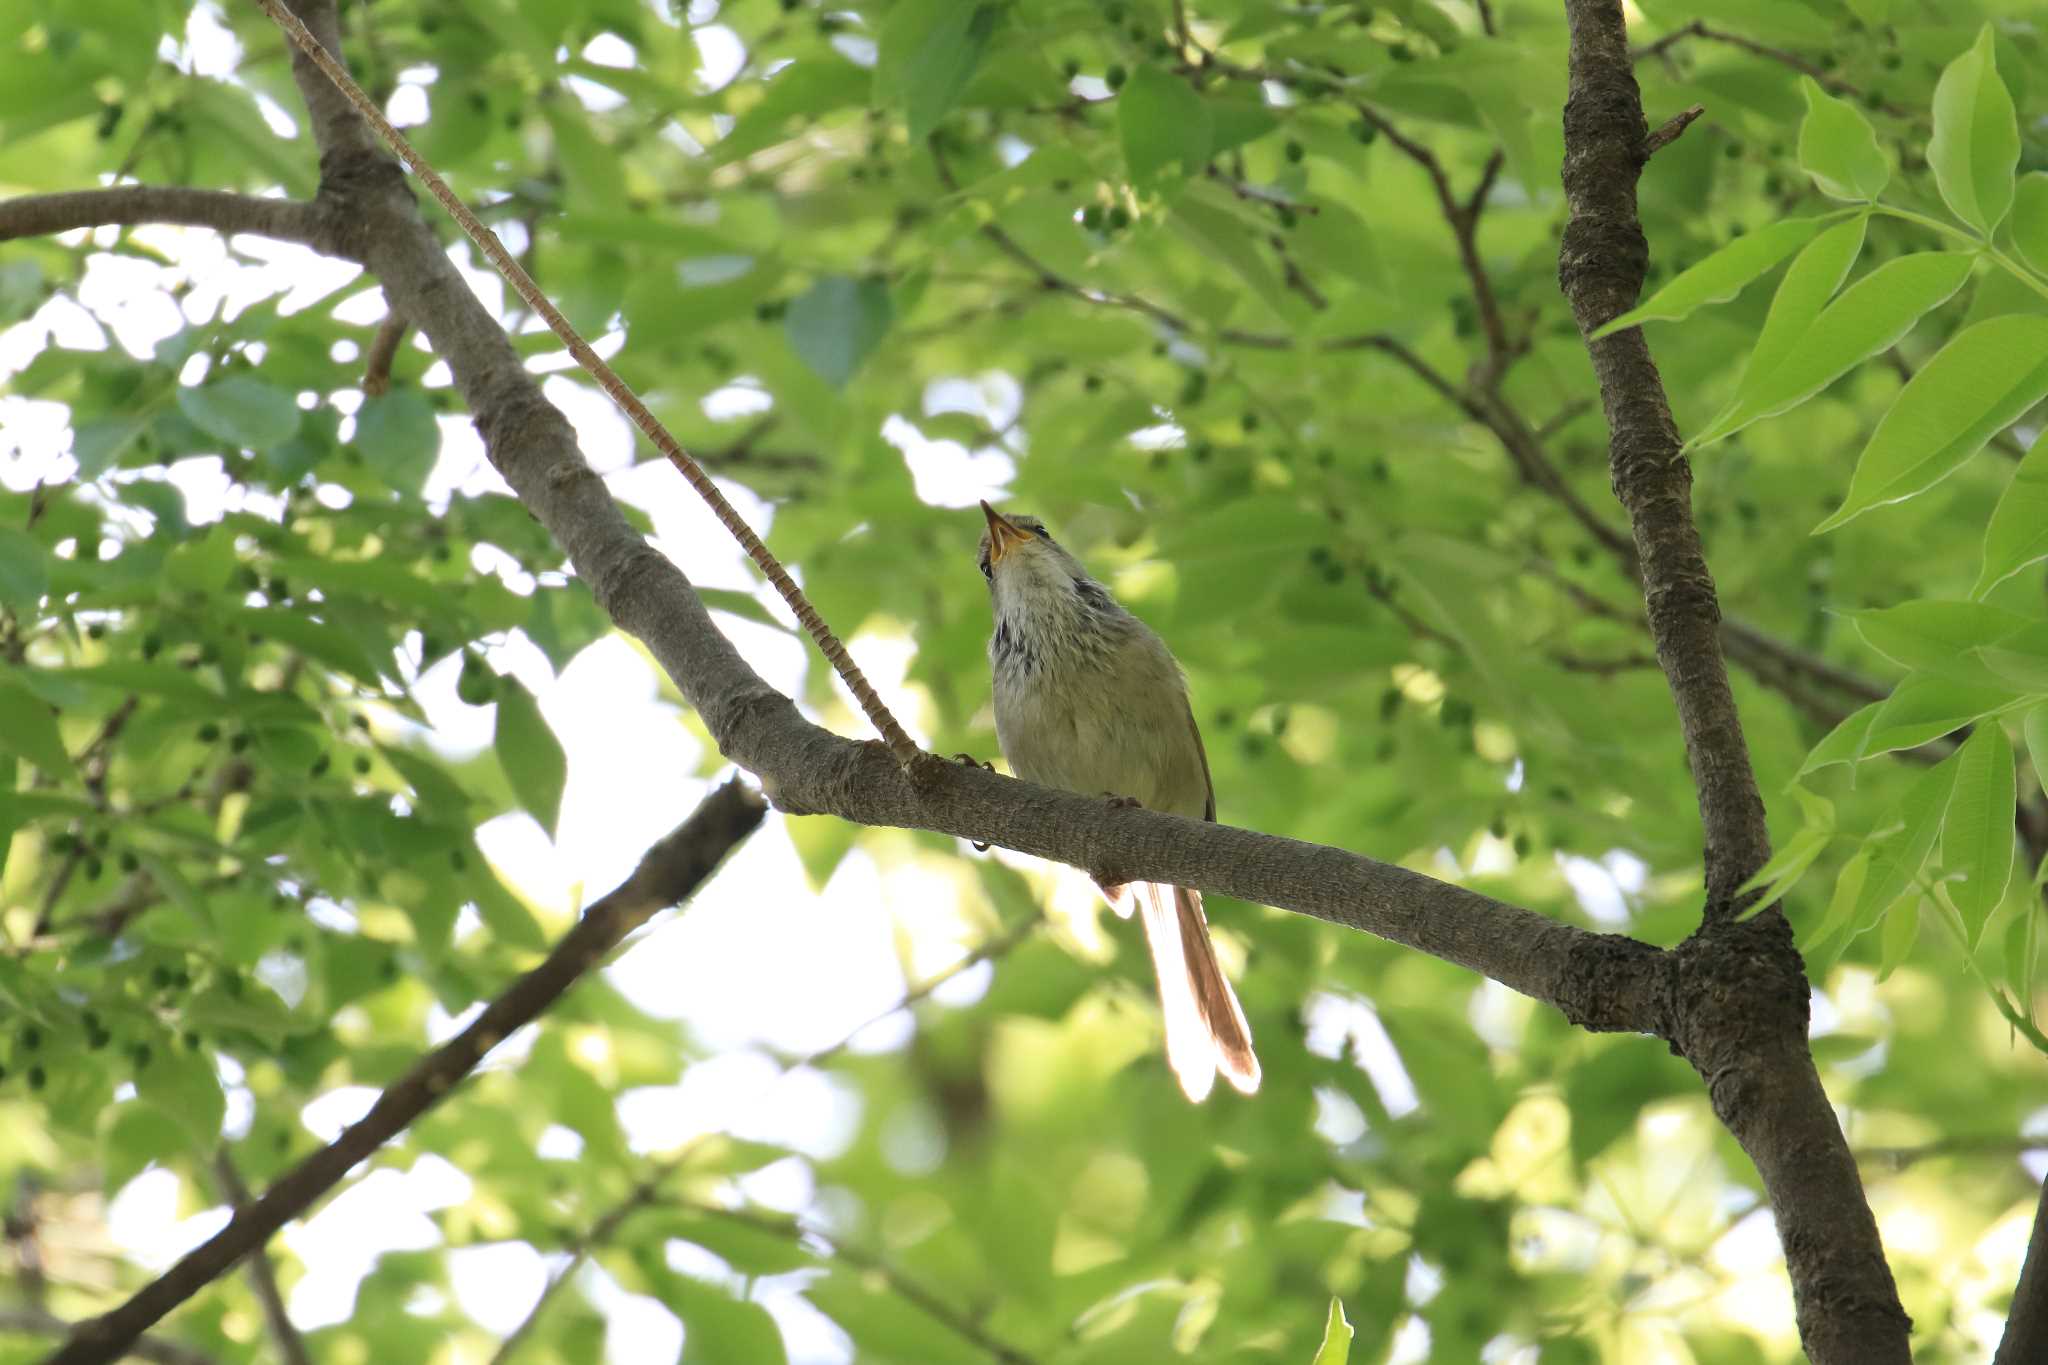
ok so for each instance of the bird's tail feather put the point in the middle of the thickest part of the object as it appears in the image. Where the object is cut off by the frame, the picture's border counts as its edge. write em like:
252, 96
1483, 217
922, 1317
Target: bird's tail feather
1206, 1030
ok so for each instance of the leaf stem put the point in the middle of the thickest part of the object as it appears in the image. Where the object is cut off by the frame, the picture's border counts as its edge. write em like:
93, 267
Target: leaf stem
1997, 257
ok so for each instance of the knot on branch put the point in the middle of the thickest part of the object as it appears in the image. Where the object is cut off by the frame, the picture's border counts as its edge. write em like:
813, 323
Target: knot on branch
1739, 993
1611, 984
1601, 263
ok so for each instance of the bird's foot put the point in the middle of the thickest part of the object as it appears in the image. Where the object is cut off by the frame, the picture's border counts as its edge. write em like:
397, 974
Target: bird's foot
1121, 802
971, 761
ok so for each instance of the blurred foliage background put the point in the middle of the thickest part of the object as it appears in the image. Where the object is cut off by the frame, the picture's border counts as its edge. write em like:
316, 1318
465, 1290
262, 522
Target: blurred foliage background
1256, 304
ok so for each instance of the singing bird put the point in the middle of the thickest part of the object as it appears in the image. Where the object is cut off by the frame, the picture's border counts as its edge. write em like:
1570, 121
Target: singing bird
1088, 699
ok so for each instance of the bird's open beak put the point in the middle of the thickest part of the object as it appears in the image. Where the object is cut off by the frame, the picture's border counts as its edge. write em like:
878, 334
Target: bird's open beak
1001, 534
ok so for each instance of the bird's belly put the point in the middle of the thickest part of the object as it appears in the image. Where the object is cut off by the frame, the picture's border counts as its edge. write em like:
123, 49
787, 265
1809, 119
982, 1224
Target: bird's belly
1105, 744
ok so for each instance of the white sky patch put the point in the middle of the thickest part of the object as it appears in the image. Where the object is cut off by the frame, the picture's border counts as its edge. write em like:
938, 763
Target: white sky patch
1336, 1022
1598, 891
211, 48
497, 1284
143, 1220
387, 1210
408, 106
720, 55
946, 473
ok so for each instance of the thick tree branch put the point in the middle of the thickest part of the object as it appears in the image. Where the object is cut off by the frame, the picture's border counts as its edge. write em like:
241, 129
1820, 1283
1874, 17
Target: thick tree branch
1739, 1012
671, 870
1601, 266
287, 220
2026, 1323
156, 1350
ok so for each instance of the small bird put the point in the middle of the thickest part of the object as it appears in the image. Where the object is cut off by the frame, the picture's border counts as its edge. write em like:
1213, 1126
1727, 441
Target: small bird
1088, 699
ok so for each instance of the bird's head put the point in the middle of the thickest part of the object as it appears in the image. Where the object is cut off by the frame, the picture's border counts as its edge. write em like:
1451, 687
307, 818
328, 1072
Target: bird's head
1017, 554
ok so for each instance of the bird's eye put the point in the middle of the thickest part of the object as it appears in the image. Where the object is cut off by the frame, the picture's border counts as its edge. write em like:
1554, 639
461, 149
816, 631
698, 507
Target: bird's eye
986, 571
1043, 534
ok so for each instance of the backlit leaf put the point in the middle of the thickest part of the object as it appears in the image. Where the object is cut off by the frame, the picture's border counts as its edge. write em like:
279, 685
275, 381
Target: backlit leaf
530, 754
1721, 275
1976, 140
1977, 834
1838, 148
1978, 385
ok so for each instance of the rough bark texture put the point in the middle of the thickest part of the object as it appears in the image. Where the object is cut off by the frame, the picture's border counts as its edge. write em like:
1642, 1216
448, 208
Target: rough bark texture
2026, 1325
1738, 995
1601, 266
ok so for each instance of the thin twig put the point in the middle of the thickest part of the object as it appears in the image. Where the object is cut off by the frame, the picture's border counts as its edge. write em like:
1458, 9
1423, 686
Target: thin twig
1671, 129
909, 1290
1967, 1144
383, 351
291, 1347
615, 388
649, 1186
1827, 80
669, 872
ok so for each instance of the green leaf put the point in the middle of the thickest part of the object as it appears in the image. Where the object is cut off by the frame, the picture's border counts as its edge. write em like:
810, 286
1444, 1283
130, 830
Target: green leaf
1811, 280
24, 569
28, 728
1935, 636
529, 753
1838, 148
508, 917
1785, 869
1976, 141
181, 1083
837, 323
2018, 659
2018, 533
927, 52
1901, 932
1977, 835
1896, 858
744, 605
1868, 317
792, 99
1978, 385
718, 1329
241, 411
399, 438
2034, 729
1336, 1347
2022, 949
1722, 275
1923, 707
1164, 123
2030, 219
1842, 904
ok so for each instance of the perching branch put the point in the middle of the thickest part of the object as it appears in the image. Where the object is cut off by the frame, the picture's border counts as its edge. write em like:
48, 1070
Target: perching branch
1739, 1015
669, 873
321, 77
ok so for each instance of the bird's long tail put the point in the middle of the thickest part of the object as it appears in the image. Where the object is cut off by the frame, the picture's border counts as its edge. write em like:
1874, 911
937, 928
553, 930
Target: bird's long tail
1206, 1031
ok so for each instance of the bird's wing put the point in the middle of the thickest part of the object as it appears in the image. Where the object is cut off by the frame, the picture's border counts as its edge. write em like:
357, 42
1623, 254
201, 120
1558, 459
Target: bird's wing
1208, 784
